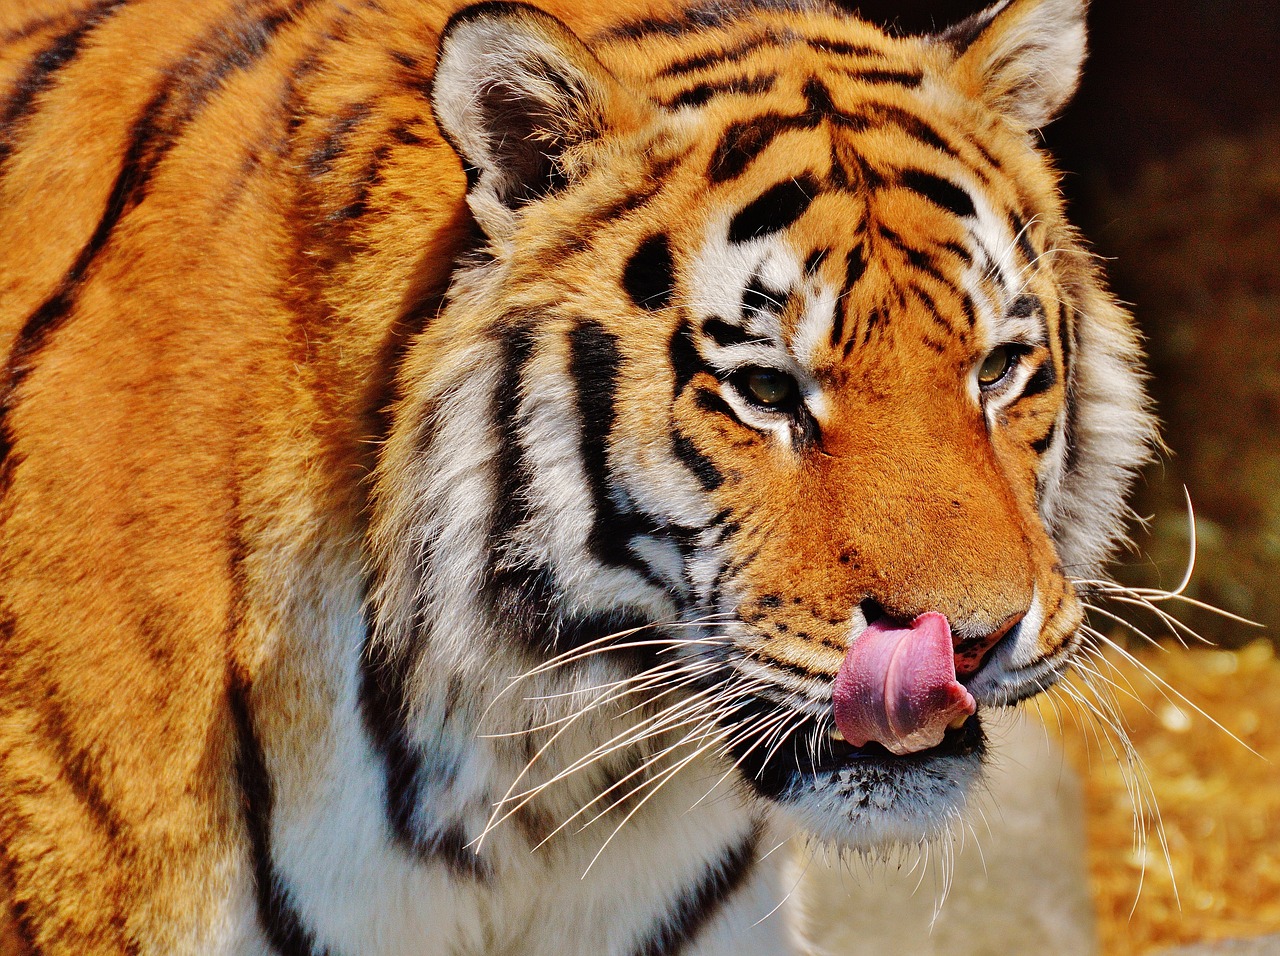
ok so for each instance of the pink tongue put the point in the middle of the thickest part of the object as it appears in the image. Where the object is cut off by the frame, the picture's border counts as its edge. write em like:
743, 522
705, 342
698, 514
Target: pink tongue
898, 687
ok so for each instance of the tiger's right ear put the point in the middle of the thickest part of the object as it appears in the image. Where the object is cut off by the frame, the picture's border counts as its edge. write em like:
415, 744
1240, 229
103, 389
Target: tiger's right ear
1022, 57
514, 92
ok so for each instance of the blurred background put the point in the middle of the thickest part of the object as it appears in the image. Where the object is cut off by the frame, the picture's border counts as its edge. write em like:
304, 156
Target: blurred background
1171, 155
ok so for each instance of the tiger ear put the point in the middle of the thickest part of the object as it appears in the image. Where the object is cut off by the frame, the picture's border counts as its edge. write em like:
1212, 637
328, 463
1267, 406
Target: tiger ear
1021, 57
514, 92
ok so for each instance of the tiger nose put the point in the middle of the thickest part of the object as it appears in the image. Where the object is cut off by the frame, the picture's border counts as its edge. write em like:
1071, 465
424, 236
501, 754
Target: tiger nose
973, 650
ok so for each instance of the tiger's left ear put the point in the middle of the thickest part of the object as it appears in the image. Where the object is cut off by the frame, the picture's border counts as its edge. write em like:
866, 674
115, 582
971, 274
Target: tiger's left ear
1021, 57
514, 92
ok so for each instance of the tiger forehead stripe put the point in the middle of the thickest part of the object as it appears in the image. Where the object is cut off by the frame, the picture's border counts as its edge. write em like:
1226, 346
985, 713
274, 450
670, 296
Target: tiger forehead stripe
701, 94
773, 210
745, 140
910, 79
717, 56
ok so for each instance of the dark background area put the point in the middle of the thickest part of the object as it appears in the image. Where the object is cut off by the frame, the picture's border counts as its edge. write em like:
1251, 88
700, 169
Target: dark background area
1159, 72
1171, 160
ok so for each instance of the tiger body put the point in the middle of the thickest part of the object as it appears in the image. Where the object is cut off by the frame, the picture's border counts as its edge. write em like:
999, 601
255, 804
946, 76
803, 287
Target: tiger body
398, 556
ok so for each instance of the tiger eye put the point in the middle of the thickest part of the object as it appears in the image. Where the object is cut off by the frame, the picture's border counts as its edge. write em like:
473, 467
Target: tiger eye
769, 387
995, 366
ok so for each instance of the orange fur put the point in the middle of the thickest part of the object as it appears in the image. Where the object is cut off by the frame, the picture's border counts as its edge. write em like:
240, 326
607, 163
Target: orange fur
227, 227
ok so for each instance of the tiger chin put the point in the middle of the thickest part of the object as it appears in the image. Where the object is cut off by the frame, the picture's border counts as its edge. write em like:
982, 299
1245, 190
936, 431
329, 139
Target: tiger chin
476, 479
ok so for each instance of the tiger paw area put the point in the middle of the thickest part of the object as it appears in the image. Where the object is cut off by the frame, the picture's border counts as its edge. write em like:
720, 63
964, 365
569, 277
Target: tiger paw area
1171, 155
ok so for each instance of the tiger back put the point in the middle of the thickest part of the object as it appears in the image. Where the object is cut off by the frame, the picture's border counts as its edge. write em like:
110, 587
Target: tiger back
474, 480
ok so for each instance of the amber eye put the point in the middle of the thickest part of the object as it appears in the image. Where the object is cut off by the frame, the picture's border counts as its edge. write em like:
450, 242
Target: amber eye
996, 366
768, 386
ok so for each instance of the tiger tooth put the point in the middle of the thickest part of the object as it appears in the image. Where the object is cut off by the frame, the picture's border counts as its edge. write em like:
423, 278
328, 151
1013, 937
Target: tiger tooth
958, 722
835, 735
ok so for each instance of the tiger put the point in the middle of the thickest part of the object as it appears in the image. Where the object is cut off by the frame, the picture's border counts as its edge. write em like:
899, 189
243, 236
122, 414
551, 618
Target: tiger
477, 479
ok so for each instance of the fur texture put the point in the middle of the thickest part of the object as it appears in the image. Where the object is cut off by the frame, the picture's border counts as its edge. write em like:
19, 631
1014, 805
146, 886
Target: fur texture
446, 455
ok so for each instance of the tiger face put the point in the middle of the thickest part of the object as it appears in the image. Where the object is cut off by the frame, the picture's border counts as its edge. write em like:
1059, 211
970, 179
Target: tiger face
795, 361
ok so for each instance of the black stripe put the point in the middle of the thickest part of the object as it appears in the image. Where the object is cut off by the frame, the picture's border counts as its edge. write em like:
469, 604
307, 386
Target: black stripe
703, 93
1066, 339
43, 69
386, 381
855, 267
594, 364
645, 27
513, 471
384, 708
918, 258
711, 401
875, 318
714, 57
331, 146
370, 177
526, 599
650, 274
985, 153
1025, 306
841, 47
280, 921
837, 324
819, 103
820, 106
697, 906
1042, 445
959, 251
686, 361
925, 262
8, 459
941, 192
906, 78
796, 670
529, 604
703, 468
655, 179
758, 297
773, 210
726, 335
51, 313
744, 141
840, 178
154, 133
1020, 230
81, 770
1043, 379
769, 772
931, 306
915, 127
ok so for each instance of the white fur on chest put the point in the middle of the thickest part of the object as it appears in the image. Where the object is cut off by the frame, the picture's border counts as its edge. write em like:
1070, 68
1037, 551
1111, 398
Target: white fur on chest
360, 891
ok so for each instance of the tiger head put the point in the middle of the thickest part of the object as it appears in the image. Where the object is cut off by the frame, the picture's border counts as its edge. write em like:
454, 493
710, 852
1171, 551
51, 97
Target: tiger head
777, 344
